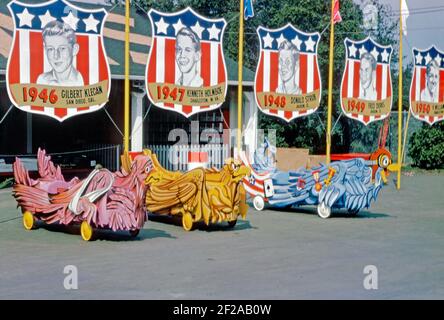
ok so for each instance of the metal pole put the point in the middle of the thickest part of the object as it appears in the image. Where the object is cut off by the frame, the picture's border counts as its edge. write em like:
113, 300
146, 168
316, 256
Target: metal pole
240, 76
127, 81
398, 182
330, 83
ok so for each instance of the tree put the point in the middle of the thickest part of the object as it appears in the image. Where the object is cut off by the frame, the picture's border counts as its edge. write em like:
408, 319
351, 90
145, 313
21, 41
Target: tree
310, 16
427, 145
348, 135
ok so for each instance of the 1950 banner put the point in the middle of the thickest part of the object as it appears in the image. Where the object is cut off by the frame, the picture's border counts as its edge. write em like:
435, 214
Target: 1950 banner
288, 82
186, 70
57, 65
427, 87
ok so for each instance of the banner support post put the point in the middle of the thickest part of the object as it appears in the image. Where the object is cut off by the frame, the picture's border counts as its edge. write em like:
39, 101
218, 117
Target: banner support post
240, 77
330, 83
127, 81
398, 181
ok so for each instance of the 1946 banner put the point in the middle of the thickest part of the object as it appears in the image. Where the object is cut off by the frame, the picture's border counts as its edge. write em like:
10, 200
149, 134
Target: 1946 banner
287, 83
186, 70
427, 87
57, 65
366, 87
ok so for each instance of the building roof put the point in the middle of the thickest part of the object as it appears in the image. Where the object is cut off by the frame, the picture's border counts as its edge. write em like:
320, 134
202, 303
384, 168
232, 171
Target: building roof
114, 42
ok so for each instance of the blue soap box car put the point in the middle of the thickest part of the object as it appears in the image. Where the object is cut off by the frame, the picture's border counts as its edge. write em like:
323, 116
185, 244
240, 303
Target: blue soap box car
347, 184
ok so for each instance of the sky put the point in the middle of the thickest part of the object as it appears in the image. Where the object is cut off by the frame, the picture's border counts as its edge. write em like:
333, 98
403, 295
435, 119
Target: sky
424, 26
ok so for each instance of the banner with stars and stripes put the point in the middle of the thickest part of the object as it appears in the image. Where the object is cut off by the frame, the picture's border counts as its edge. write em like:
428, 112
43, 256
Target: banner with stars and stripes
288, 82
366, 87
427, 87
186, 70
57, 64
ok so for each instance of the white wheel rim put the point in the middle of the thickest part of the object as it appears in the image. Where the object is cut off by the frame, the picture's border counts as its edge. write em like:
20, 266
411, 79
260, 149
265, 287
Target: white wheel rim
258, 203
324, 211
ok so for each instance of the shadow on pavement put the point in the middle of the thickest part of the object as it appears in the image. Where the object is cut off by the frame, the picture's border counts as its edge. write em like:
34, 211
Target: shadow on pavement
144, 234
222, 226
336, 213
107, 234
366, 215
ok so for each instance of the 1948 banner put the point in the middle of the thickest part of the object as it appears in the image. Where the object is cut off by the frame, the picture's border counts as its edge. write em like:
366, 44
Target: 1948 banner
186, 70
366, 87
427, 87
288, 82
57, 65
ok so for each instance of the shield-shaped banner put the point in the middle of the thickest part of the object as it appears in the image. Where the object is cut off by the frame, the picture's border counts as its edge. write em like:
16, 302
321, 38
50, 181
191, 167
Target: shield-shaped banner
427, 87
366, 88
57, 65
186, 70
288, 82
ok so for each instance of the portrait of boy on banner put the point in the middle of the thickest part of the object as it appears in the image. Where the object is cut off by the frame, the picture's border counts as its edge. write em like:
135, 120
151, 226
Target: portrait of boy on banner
61, 47
287, 83
366, 87
186, 70
427, 87
188, 58
57, 65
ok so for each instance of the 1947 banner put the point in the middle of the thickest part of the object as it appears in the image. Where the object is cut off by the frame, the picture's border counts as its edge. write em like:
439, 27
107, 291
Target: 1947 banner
186, 70
366, 87
57, 65
427, 87
288, 82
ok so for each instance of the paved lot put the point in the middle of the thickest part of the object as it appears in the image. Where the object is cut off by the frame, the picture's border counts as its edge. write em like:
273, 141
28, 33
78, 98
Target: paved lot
275, 254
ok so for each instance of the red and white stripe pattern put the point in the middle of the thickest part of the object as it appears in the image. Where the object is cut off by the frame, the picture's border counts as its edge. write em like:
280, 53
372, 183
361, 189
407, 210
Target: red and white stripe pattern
162, 67
254, 183
418, 84
197, 159
28, 60
350, 86
267, 76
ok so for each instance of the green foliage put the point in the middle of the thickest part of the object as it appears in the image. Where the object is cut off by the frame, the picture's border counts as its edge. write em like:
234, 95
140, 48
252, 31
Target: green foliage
427, 145
306, 133
309, 132
308, 15
6, 183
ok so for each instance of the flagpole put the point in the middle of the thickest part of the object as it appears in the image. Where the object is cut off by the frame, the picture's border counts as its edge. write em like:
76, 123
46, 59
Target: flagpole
330, 83
127, 81
398, 182
406, 129
240, 77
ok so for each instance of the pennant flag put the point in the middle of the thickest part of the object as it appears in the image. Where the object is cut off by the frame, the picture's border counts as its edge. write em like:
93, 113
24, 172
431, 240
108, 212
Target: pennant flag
405, 14
336, 14
248, 9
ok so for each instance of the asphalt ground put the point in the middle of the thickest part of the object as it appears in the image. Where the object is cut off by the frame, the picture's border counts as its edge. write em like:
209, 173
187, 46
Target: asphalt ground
272, 255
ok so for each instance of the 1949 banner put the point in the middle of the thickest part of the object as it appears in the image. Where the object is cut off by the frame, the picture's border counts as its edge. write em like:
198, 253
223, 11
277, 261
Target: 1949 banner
57, 65
288, 82
366, 87
427, 87
186, 70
